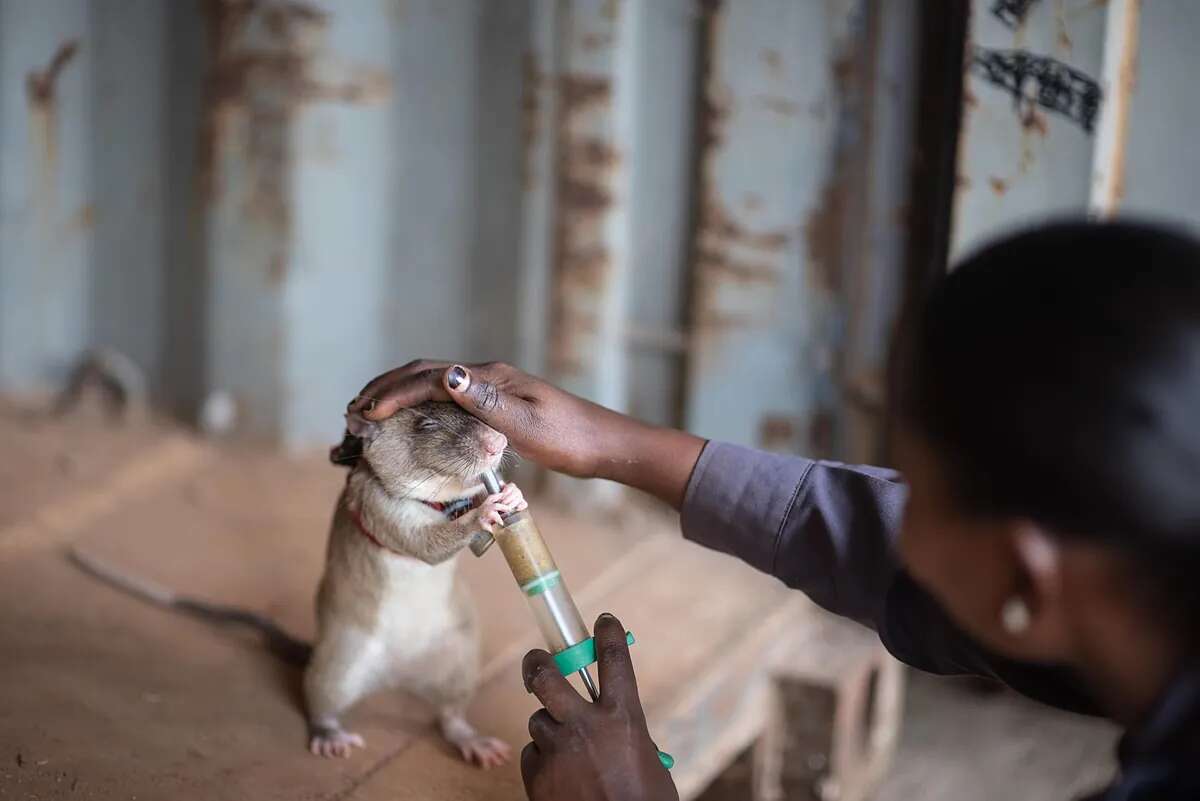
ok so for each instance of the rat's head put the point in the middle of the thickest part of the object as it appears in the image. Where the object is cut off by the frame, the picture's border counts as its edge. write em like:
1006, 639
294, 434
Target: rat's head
434, 451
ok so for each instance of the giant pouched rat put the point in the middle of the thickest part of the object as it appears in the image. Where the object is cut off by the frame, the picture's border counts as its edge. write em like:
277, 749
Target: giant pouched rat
391, 611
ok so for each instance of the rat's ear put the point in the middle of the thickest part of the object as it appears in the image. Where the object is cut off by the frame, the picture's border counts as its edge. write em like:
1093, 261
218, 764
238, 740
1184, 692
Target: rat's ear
361, 427
348, 452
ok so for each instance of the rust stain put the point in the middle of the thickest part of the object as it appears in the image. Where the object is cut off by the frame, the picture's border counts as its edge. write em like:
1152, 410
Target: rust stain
1032, 120
777, 432
592, 153
717, 265
40, 84
780, 105
581, 91
259, 76
40, 87
822, 433
585, 168
530, 115
593, 41
717, 224
998, 185
1060, 24
823, 232
84, 219
774, 62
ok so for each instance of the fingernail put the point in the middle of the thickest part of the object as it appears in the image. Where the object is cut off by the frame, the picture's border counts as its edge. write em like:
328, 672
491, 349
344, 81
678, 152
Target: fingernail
456, 377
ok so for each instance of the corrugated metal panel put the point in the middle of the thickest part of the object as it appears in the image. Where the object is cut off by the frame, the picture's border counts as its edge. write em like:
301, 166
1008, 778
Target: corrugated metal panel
770, 232
660, 176
1020, 158
46, 208
592, 226
128, 213
1162, 175
878, 236
321, 190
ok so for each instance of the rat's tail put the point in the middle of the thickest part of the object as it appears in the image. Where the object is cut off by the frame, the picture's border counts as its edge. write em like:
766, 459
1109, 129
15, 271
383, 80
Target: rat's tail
278, 642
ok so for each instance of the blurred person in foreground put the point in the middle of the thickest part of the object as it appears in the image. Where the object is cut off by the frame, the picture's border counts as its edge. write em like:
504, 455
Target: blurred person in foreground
1043, 528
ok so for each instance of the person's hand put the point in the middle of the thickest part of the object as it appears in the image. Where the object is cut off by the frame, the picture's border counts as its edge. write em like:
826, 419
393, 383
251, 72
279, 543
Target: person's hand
542, 422
585, 751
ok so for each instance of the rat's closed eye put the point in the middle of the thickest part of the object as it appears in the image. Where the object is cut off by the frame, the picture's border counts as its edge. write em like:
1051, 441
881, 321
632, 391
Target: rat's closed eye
426, 424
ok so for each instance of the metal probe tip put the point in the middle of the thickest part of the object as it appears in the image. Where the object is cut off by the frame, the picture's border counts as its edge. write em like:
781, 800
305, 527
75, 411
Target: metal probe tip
491, 481
590, 683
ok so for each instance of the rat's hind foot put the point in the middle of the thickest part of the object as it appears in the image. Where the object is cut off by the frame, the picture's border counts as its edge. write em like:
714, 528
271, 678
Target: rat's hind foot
332, 741
476, 748
486, 752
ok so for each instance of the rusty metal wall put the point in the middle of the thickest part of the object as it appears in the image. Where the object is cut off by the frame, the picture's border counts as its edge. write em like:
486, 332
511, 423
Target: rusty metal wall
45, 187
1020, 160
1075, 107
1163, 164
658, 203
801, 195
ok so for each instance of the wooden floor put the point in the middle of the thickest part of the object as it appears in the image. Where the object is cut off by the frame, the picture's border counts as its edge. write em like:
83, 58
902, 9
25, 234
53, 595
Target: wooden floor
102, 696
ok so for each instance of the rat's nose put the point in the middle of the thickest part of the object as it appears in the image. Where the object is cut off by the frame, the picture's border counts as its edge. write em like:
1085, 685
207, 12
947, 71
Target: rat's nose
494, 442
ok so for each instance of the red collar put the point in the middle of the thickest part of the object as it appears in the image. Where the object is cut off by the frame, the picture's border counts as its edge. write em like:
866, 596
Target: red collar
366, 532
452, 509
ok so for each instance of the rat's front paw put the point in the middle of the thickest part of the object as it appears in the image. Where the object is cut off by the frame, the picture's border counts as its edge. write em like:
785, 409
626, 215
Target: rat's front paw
494, 507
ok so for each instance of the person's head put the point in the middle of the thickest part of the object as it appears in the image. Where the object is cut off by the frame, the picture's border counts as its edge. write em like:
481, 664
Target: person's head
1049, 401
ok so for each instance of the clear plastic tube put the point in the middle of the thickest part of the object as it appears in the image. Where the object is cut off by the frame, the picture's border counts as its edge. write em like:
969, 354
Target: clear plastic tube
538, 577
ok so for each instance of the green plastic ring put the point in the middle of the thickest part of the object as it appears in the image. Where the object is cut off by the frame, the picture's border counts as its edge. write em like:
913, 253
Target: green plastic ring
580, 655
541, 584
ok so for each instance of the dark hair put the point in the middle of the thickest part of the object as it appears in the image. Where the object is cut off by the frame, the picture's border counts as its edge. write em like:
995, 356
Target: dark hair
1058, 373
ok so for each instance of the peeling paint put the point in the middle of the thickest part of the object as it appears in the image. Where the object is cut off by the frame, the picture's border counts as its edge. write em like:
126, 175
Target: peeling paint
586, 164
40, 92
530, 115
1033, 120
264, 65
40, 84
581, 91
823, 232
779, 433
82, 220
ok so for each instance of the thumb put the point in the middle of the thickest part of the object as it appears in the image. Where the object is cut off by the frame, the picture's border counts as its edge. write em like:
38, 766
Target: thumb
482, 398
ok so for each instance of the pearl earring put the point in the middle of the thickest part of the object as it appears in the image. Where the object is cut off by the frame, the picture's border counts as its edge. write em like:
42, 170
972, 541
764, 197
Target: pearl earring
1015, 616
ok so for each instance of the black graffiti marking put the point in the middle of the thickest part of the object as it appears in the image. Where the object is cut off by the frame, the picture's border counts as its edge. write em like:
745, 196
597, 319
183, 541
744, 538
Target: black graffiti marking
1011, 12
1042, 81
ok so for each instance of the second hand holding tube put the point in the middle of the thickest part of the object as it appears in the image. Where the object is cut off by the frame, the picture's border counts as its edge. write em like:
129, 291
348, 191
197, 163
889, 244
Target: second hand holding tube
539, 578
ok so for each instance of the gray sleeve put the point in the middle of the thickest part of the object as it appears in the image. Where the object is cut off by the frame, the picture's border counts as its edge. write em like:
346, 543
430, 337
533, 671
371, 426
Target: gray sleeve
823, 528
829, 531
